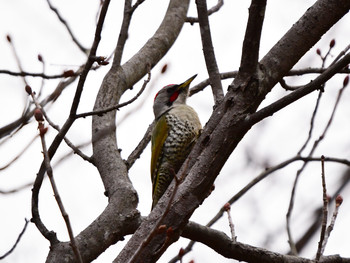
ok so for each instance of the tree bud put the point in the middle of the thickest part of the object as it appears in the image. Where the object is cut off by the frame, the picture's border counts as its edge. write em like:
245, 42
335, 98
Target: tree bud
338, 200
68, 73
181, 252
164, 68
28, 89
40, 58
346, 81
38, 115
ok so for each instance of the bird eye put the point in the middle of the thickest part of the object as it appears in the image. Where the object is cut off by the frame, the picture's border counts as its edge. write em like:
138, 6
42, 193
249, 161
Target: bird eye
171, 88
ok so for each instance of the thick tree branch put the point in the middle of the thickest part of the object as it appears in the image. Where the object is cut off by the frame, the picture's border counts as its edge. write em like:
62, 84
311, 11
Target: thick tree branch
251, 43
301, 37
123, 34
301, 92
232, 74
222, 244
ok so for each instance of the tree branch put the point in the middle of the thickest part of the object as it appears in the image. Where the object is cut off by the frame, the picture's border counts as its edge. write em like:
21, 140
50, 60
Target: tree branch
118, 106
140, 147
42, 131
17, 241
24, 119
208, 51
123, 35
222, 244
64, 22
301, 92
30, 74
210, 11
251, 43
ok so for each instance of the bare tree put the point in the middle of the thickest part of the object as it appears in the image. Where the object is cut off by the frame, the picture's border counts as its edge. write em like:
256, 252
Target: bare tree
235, 112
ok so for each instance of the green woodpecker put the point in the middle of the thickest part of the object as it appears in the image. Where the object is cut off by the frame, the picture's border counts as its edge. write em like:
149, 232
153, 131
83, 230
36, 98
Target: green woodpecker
176, 129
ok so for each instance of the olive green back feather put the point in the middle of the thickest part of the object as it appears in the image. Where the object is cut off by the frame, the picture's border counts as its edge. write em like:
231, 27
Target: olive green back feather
160, 133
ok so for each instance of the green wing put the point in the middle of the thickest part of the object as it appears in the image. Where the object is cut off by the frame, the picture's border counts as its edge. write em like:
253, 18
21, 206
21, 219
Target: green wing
160, 133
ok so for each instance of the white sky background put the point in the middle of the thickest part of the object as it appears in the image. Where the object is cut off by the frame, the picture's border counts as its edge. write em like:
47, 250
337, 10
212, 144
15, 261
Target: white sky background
259, 216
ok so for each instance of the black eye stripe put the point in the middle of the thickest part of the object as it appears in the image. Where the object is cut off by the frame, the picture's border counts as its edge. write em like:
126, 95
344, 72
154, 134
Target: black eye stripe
172, 89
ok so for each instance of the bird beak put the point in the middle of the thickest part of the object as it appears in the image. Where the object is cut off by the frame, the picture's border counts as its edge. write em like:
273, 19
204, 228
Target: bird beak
187, 83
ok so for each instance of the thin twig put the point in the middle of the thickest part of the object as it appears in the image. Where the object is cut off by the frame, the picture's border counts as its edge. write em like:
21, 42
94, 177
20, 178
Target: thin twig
210, 11
74, 148
136, 5
49, 171
118, 106
309, 70
19, 154
31, 74
17, 241
15, 54
40, 59
227, 208
202, 85
342, 53
315, 226
140, 147
16, 190
312, 121
315, 145
208, 51
39, 116
24, 119
325, 212
64, 22
19, 65
338, 202
323, 59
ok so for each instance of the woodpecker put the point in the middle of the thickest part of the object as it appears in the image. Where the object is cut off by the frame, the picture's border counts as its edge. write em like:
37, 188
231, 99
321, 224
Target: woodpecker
176, 129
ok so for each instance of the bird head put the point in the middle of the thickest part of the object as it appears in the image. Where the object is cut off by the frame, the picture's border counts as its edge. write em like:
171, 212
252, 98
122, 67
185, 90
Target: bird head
170, 96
